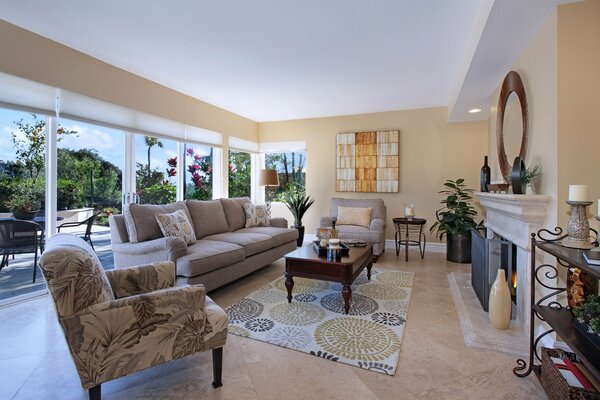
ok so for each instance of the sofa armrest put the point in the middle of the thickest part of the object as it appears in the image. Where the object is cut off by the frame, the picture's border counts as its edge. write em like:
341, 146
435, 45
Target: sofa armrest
326, 222
279, 222
118, 229
377, 225
133, 333
173, 247
141, 279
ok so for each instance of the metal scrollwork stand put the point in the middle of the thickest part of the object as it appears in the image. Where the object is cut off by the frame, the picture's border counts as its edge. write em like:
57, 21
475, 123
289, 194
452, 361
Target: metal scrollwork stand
549, 272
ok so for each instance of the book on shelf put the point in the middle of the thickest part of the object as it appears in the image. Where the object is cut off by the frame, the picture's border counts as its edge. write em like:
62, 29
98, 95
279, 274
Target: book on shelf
575, 374
592, 257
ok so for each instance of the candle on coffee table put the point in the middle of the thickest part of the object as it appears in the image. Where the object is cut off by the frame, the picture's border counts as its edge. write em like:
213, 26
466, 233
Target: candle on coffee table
578, 193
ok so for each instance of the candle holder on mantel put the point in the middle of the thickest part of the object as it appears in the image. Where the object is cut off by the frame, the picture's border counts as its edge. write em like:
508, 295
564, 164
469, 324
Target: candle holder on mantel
578, 228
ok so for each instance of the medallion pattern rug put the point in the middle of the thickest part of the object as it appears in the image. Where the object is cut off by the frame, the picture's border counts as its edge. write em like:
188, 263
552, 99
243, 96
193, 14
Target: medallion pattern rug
368, 337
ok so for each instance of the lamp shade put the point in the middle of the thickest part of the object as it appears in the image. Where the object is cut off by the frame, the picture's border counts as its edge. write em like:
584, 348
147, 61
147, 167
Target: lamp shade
268, 177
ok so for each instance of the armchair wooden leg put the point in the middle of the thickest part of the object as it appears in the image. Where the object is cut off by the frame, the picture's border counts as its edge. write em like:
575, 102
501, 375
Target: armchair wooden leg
217, 357
375, 258
95, 393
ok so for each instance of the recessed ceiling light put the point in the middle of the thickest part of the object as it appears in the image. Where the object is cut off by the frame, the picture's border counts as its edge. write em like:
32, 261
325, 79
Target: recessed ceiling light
474, 110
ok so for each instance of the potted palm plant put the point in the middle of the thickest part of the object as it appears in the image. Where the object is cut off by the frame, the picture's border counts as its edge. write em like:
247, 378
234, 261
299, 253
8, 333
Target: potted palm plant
25, 201
455, 220
298, 202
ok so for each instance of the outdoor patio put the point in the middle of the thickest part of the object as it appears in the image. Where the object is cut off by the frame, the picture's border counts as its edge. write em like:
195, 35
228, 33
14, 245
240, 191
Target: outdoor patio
15, 279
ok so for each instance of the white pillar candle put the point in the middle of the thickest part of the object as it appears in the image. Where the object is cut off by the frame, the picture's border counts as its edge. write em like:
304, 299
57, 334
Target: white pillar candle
578, 193
598, 212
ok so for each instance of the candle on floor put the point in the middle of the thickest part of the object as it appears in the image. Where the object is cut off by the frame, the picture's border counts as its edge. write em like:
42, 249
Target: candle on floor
578, 193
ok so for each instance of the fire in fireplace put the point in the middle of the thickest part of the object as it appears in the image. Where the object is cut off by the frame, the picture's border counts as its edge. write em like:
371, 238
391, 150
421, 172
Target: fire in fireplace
487, 256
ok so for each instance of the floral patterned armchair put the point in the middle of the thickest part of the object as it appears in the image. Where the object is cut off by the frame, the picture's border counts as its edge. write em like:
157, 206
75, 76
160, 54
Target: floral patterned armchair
122, 321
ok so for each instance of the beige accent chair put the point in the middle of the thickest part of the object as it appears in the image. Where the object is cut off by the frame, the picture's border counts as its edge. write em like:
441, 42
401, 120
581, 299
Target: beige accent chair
122, 321
375, 233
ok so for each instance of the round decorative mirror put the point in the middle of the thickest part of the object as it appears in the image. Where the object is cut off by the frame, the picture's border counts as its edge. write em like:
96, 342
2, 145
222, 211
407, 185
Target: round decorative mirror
512, 122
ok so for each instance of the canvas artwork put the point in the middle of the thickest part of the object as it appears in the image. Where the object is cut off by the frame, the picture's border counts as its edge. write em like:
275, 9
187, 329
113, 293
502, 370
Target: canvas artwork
368, 161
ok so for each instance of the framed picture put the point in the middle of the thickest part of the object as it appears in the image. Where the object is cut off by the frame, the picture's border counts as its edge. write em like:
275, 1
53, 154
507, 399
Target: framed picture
367, 161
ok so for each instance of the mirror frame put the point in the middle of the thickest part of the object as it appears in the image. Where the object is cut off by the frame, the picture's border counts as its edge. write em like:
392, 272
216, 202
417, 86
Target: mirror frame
512, 84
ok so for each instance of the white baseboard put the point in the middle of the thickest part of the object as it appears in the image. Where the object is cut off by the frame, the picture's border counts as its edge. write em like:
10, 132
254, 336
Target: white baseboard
390, 244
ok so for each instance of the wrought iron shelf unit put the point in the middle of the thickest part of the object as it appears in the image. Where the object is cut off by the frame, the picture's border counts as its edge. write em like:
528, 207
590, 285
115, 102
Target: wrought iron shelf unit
558, 317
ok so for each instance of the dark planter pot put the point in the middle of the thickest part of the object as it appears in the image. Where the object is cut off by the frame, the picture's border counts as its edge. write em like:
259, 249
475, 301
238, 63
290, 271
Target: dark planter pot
26, 215
592, 337
458, 248
300, 239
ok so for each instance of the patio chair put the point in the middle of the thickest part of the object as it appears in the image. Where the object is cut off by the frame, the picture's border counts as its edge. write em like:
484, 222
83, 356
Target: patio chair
20, 237
87, 236
122, 321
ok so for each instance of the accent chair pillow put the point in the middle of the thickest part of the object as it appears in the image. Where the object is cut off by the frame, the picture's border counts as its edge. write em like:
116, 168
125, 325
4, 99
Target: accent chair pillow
360, 216
256, 215
176, 224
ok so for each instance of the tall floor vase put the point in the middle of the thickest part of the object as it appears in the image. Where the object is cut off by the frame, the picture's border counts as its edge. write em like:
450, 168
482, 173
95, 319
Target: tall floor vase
500, 306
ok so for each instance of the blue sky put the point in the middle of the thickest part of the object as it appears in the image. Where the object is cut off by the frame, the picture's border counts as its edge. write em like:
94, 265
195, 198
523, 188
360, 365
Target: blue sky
110, 143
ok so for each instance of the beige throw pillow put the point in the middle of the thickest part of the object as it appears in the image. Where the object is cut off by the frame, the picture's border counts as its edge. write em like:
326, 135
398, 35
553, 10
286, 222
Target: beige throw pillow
354, 216
256, 215
176, 224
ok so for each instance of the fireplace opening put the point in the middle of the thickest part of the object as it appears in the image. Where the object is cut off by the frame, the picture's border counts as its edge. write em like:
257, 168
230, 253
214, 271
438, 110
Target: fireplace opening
488, 255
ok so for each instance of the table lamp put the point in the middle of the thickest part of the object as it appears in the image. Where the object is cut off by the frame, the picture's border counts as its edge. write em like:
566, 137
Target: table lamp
268, 177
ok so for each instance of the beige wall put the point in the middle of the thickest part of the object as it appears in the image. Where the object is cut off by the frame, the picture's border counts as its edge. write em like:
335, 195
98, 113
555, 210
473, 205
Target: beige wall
34, 57
537, 68
431, 151
579, 102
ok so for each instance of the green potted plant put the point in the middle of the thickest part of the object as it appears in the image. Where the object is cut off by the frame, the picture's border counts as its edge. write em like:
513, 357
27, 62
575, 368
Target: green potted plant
587, 314
298, 202
25, 201
455, 220
528, 176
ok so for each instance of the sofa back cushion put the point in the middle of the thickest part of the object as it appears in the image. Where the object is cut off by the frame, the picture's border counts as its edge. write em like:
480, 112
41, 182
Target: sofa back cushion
208, 217
234, 212
377, 205
141, 219
74, 274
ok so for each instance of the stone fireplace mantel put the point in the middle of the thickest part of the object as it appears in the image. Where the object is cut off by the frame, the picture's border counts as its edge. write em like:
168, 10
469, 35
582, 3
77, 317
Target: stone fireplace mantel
514, 218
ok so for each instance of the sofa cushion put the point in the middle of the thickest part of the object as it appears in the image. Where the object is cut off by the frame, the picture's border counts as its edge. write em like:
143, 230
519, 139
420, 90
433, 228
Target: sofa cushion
358, 232
280, 235
234, 212
251, 242
256, 215
207, 255
208, 217
141, 219
176, 224
360, 216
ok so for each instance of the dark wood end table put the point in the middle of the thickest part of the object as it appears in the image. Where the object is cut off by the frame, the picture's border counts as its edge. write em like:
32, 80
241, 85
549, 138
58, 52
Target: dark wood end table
407, 228
306, 263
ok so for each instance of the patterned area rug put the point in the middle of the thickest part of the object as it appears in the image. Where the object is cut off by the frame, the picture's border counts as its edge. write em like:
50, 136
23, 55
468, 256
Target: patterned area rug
314, 323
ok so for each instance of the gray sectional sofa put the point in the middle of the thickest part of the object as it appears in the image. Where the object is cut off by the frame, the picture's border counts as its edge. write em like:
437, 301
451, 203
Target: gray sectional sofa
225, 249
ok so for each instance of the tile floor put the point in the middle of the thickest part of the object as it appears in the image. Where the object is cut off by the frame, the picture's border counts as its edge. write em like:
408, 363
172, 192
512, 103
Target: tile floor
434, 361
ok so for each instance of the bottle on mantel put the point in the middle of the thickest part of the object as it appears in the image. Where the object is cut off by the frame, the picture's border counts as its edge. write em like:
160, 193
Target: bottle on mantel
485, 175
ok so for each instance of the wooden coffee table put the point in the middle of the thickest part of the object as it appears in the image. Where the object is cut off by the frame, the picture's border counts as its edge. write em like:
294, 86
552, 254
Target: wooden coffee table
306, 263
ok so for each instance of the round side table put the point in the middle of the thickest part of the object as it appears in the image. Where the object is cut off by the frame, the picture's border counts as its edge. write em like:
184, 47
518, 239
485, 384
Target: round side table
409, 232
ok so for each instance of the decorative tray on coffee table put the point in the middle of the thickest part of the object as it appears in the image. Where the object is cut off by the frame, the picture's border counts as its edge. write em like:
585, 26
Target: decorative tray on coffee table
322, 251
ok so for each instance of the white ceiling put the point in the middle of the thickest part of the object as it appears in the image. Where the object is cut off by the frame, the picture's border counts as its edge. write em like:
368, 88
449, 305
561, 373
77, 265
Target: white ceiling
287, 59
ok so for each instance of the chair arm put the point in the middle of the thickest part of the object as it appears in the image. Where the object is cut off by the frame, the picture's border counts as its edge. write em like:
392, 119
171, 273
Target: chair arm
141, 279
119, 337
326, 222
377, 225
279, 222
69, 225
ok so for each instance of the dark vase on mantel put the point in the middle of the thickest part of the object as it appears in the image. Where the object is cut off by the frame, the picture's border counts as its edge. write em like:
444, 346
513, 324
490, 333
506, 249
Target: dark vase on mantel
485, 175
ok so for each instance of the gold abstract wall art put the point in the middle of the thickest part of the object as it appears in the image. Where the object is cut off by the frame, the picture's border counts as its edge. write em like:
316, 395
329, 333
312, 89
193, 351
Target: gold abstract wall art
367, 161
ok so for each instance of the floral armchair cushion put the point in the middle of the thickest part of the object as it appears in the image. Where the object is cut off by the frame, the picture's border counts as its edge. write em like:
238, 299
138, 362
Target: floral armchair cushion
75, 276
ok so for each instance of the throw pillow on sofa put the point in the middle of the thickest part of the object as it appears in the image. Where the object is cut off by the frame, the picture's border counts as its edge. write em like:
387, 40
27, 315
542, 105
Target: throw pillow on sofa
360, 216
176, 224
256, 215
